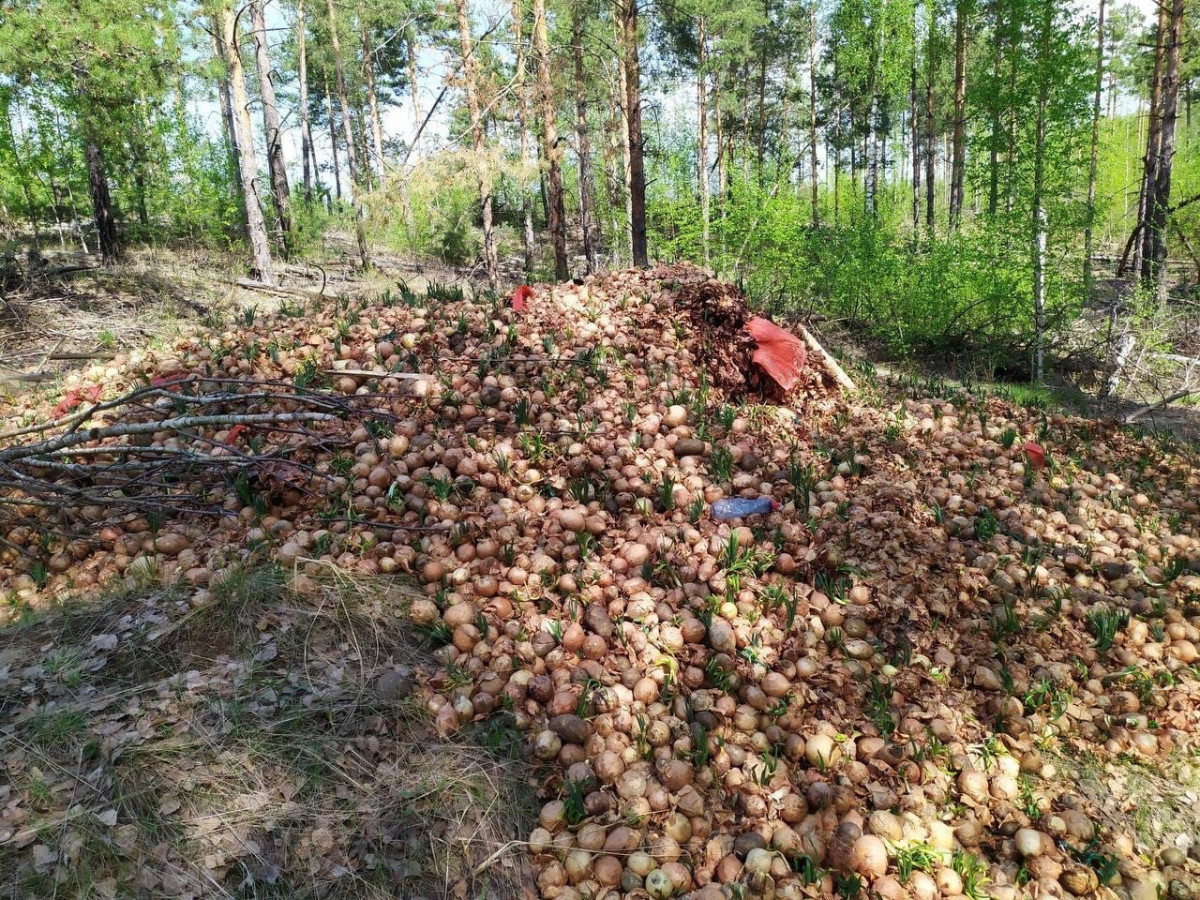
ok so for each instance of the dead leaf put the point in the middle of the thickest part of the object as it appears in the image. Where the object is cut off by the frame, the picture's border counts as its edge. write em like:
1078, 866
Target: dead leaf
322, 839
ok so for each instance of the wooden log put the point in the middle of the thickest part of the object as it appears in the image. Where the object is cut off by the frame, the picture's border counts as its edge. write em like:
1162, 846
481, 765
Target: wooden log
839, 374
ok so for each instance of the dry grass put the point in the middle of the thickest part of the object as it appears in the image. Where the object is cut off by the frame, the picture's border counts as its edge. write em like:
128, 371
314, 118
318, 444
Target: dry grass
238, 745
1155, 805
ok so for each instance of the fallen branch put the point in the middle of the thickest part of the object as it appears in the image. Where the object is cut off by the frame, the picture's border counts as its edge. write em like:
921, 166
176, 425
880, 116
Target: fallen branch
839, 374
252, 285
110, 457
367, 373
1165, 401
91, 435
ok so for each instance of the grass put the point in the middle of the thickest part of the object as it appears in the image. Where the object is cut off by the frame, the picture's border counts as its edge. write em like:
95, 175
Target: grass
973, 872
253, 773
1105, 625
915, 857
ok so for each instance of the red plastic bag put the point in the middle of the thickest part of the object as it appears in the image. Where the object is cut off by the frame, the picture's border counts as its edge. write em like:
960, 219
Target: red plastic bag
780, 353
1035, 454
520, 297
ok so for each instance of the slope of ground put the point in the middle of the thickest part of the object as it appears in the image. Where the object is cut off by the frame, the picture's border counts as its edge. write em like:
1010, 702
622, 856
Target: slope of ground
957, 658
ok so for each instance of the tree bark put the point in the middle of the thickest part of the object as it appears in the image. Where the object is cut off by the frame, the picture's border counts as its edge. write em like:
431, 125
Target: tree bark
1154, 270
814, 173
227, 116
959, 146
1153, 133
102, 208
256, 227
998, 28
871, 139
527, 163
373, 102
915, 129
722, 165
351, 159
930, 124
414, 87
550, 149
1039, 213
1095, 156
106, 223
702, 136
626, 155
306, 141
633, 103
337, 169
482, 170
272, 129
762, 94
587, 213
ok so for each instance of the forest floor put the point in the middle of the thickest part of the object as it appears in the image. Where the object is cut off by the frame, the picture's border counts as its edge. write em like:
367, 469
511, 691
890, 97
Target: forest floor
282, 729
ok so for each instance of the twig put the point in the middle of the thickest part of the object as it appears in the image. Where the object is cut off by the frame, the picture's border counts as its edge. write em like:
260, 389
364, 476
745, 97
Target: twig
132, 428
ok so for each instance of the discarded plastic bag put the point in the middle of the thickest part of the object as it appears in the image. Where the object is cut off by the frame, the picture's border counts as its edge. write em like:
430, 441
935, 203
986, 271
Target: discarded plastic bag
739, 507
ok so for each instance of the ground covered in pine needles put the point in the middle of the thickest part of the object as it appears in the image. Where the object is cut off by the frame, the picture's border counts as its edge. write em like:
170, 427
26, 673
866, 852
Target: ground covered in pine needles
421, 595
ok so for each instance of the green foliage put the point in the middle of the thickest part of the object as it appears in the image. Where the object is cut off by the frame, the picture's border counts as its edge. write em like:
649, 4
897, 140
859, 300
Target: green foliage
445, 190
1105, 624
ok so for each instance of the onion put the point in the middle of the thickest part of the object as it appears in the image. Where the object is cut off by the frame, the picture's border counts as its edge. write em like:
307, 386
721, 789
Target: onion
659, 885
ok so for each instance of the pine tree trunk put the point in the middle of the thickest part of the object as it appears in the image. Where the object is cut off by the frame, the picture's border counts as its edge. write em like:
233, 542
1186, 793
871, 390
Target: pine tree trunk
1039, 211
587, 213
550, 149
1039, 248
853, 153
626, 156
106, 223
1150, 161
528, 164
373, 102
871, 176
102, 209
227, 116
959, 147
915, 129
633, 103
1155, 265
337, 169
414, 88
837, 163
351, 159
994, 104
306, 140
762, 95
366, 174
1095, 157
719, 115
702, 136
478, 145
272, 129
256, 226
930, 127
1010, 154
814, 172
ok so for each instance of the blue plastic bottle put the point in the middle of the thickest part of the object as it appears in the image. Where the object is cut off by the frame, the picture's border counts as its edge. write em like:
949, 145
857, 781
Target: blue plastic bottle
739, 507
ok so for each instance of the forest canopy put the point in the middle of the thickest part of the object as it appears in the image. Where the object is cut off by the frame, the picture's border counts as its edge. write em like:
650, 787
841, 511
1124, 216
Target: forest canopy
944, 176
